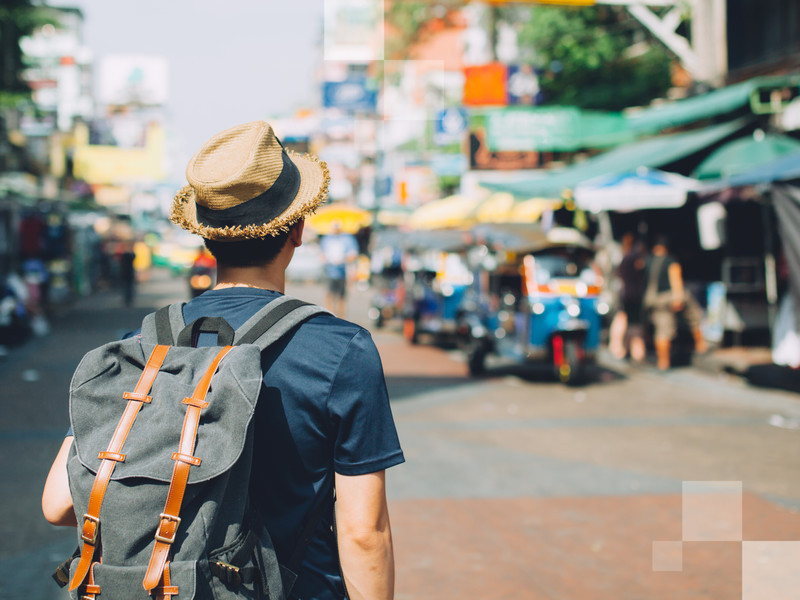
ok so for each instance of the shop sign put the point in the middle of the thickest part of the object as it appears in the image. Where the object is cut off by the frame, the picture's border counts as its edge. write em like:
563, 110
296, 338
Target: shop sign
523, 129
485, 85
350, 95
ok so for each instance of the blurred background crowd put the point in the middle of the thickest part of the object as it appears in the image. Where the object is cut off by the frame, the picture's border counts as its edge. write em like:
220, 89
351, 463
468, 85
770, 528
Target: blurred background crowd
463, 138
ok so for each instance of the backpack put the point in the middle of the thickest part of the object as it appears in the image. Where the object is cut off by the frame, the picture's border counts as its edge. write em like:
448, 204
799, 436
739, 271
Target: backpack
160, 466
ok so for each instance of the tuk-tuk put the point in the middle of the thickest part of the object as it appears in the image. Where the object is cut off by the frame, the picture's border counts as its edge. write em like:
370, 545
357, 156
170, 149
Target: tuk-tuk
436, 280
386, 277
535, 299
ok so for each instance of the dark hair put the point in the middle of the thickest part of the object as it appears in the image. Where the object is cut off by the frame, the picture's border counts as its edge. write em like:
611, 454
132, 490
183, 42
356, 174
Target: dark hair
247, 253
661, 239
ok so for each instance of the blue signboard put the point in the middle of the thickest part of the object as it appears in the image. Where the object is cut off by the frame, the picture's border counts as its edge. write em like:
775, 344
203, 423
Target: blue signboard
451, 124
522, 86
351, 95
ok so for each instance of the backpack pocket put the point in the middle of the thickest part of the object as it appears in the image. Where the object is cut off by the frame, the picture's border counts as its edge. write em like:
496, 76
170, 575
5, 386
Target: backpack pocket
125, 583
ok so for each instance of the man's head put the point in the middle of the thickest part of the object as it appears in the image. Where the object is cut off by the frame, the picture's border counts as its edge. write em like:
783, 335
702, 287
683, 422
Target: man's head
661, 243
246, 194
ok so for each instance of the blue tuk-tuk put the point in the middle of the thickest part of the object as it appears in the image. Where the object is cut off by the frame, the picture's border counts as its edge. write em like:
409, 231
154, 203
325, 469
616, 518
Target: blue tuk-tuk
535, 299
436, 280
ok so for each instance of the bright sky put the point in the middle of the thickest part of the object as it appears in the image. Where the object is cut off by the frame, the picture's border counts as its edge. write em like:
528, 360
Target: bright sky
230, 61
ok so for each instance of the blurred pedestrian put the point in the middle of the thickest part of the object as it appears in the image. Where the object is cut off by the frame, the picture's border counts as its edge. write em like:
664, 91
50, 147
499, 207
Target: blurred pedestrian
627, 326
127, 273
323, 427
665, 299
339, 250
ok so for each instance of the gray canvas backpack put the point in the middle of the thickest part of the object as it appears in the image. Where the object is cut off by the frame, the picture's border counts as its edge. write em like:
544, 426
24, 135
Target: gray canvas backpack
160, 468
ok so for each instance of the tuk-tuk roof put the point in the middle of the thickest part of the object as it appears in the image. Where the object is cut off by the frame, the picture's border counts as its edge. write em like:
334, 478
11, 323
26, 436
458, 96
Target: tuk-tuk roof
527, 237
443, 240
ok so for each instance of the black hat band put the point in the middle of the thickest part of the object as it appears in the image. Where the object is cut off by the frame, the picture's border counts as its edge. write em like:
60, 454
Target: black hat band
261, 209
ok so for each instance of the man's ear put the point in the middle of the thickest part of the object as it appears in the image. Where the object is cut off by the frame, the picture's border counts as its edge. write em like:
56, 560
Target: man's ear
296, 233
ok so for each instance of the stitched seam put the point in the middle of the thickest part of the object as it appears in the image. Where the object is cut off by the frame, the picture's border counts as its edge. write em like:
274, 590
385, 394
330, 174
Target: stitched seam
336, 373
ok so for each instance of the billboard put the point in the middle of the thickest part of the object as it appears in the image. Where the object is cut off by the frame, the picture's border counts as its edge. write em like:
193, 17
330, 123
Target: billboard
133, 79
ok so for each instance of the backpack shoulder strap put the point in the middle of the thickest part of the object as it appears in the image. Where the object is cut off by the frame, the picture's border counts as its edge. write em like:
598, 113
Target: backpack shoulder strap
164, 325
274, 320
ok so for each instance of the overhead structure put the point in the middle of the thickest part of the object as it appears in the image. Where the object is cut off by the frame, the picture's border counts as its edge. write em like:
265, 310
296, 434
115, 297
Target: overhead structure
705, 58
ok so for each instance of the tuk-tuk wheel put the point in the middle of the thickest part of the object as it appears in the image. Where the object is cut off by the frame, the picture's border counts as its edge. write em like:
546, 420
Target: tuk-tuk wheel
476, 360
571, 371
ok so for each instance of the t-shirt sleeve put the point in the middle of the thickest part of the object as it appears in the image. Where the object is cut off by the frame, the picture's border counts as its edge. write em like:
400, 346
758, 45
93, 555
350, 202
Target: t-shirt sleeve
365, 436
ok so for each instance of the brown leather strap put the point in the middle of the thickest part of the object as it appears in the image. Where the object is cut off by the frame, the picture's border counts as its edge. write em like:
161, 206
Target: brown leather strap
90, 532
184, 459
164, 591
91, 590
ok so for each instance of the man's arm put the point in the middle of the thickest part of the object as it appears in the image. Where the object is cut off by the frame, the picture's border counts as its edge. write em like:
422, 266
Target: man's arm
676, 284
56, 498
365, 537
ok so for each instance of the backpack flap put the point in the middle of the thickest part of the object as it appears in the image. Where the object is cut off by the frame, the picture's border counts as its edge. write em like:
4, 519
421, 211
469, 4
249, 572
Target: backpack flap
96, 405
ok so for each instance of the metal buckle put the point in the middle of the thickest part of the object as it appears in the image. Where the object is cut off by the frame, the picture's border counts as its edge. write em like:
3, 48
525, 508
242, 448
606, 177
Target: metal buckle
163, 538
90, 539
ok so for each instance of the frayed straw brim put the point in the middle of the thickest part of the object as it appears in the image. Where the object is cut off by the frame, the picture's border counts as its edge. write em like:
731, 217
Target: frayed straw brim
313, 191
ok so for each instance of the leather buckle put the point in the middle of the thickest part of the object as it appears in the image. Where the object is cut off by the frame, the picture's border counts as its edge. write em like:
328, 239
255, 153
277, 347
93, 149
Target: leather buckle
165, 538
90, 538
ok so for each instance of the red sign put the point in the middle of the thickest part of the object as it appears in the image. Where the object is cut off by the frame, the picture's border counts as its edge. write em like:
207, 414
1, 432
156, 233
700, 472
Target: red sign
485, 85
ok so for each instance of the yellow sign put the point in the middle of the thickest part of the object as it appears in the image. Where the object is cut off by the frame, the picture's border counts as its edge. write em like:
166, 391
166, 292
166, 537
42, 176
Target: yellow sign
110, 165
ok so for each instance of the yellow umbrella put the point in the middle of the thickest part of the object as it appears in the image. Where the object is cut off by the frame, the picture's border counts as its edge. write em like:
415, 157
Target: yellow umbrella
350, 218
451, 211
495, 209
530, 211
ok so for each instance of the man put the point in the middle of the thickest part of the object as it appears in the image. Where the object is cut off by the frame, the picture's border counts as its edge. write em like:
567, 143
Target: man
339, 250
323, 416
666, 297
627, 322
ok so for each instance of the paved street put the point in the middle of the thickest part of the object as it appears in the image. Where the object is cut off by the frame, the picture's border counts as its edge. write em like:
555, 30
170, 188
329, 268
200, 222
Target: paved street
638, 486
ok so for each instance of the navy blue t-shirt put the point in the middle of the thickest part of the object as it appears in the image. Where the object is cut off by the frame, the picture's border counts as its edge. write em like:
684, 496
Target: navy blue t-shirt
323, 408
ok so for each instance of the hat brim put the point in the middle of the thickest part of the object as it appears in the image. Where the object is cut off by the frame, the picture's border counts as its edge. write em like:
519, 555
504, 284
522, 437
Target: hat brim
312, 193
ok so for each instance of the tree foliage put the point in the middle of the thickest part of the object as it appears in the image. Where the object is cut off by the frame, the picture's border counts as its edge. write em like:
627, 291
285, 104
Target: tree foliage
18, 18
587, 56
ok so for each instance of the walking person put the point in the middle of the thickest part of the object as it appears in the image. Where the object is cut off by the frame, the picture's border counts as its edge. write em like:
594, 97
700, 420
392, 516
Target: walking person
127, 273
322, 421
627, 326
339, 250
665, 299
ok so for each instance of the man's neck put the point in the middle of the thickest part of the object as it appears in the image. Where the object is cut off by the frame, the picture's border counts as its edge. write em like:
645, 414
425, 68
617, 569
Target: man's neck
265, 278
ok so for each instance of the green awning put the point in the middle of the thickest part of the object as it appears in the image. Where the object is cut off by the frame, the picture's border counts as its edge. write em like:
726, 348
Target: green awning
745, 154
548, 129
654, 153
717, 102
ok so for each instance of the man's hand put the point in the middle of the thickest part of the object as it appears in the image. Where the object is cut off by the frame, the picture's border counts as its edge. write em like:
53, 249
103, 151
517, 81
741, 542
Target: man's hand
365, 538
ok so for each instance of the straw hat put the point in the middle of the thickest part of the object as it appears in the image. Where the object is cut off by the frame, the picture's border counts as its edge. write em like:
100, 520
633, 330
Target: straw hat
244, 185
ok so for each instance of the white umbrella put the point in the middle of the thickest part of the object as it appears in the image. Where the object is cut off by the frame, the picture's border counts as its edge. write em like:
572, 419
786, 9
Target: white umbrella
634, 190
